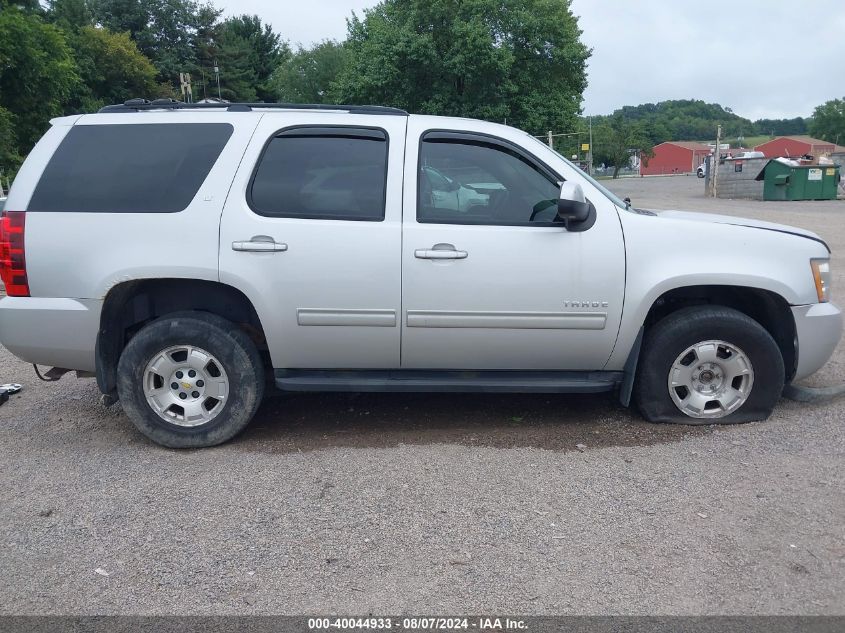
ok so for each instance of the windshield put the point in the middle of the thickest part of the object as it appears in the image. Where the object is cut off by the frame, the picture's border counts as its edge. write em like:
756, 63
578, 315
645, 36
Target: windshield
612, 196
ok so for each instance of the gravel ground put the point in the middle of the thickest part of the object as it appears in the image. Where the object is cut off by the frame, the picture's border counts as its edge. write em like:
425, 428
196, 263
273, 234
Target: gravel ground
356, 503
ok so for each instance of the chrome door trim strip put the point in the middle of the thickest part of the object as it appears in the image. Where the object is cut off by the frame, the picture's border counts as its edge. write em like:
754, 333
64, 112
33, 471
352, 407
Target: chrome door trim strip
507, 320
359, 318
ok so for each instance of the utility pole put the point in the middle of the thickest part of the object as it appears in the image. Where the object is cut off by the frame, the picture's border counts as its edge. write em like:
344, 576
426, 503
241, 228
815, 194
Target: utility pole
217, 74
716, 159
551, 140
591, 145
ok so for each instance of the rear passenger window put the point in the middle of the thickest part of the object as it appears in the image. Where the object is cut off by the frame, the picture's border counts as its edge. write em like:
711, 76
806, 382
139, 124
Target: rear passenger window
329, 173
146, 168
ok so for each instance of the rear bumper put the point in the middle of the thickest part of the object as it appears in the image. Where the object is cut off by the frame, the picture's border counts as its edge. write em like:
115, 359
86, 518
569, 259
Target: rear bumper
818, 328
48, 331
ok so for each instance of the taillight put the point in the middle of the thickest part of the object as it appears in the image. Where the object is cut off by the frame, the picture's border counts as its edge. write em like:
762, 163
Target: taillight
12, 258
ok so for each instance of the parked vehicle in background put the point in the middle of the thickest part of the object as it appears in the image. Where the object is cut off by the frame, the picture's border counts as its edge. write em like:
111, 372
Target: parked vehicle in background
701, 171
447, 193
220, 249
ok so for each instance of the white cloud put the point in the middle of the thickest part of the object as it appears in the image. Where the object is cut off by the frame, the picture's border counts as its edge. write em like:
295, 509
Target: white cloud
762, 58
305, 22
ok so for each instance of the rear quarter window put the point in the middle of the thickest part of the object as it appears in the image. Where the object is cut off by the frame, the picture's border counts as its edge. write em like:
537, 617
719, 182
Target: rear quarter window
138, 168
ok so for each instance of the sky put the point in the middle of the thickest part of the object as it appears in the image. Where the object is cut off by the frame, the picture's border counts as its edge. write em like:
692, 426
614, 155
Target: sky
761, 58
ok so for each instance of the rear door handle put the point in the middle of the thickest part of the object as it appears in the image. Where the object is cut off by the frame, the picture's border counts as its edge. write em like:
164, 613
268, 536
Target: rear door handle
440, 251
259, 244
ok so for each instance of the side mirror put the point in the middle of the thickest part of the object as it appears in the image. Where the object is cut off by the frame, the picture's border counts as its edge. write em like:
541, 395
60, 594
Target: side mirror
572, 207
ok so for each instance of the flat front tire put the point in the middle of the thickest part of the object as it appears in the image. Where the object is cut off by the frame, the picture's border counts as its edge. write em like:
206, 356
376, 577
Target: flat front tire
708, 365
190, 380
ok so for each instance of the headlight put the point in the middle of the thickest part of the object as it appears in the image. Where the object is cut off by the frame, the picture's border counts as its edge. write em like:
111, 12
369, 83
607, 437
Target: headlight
821, 275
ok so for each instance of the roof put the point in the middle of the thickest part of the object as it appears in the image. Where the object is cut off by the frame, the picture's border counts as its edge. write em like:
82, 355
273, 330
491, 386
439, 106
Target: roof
693, 145
809, 140
803, 138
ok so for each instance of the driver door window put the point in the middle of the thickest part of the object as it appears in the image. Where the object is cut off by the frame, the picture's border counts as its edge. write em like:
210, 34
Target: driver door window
475, 181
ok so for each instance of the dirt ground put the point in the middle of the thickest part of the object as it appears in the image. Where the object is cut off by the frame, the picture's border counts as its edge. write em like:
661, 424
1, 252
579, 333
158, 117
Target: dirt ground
369, 503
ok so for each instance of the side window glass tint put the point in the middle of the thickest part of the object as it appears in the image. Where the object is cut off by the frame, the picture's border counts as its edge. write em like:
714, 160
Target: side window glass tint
478, 182
322, 173
138, 168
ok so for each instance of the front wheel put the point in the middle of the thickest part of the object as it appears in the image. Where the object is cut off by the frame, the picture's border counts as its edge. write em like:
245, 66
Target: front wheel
708, 365
190, 380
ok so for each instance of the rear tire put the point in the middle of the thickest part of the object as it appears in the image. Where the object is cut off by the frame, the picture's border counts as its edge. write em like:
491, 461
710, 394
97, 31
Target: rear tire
208, 407
708, 365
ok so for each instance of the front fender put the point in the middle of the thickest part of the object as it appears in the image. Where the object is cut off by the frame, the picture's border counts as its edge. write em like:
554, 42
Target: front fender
664, 254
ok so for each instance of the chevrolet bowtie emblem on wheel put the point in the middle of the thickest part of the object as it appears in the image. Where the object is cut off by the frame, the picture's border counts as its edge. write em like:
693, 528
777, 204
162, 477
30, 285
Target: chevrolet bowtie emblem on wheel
186, 385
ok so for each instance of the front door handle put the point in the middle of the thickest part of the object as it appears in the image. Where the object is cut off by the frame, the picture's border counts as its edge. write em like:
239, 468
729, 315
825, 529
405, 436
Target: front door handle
259, 244
440, 251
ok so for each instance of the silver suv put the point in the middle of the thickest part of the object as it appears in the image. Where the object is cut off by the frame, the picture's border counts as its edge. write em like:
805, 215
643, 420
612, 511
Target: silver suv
189, 256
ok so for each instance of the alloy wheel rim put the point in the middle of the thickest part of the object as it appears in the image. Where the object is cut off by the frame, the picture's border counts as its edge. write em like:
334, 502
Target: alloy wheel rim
185, 385
710, 379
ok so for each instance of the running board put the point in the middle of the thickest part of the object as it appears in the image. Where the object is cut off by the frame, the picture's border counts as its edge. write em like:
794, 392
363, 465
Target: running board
410, 380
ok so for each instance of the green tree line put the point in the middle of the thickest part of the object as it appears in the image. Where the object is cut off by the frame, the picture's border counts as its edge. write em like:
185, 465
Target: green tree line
520, 61
516, 61
695, 120
75, 56
644, 126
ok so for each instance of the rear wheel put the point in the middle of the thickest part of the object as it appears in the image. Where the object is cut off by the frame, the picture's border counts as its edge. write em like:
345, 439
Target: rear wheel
708, 365
190, 380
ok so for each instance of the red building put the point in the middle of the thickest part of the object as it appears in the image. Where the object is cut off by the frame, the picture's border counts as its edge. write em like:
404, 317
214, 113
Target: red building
675, 157
797, 146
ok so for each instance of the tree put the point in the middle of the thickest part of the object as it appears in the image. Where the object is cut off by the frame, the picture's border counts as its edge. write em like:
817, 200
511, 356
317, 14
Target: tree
828, 121
131, 16
781, 127
683, 119
266, 49
70, 14
617, 139
520, 60
37, 73
111, 68
205, 51
25, 5
10, 158
237, 63
310, 75
165, 31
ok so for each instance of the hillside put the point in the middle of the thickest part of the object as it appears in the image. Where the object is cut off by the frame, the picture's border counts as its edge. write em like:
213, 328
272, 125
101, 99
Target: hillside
695, 120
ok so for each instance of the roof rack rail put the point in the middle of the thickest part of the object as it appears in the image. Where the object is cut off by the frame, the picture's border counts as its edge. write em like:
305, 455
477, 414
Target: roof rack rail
137, 105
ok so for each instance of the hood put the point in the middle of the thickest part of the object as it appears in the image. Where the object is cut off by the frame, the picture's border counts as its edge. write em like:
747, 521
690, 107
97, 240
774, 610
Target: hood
735, 221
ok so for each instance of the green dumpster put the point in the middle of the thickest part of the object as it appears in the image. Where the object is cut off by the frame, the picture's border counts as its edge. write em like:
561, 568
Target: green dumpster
830, 181
782, 181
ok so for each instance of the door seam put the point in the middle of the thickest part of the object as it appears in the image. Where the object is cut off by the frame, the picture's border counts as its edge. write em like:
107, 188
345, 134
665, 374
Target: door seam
229, 192
402, 249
